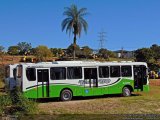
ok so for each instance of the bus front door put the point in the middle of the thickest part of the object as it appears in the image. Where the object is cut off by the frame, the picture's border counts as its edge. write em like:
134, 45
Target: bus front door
90, 82
140, 77
43, 83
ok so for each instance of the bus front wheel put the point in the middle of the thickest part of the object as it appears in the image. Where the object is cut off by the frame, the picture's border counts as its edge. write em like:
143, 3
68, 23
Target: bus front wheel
66, 95
126, 92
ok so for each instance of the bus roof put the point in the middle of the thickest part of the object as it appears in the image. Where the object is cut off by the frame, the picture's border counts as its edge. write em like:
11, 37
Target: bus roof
80, 63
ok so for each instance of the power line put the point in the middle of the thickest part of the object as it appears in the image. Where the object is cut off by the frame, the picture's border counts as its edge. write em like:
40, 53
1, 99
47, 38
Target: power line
102, 39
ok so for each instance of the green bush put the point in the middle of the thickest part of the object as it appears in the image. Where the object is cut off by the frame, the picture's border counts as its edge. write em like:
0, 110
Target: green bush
22, 104
15, 103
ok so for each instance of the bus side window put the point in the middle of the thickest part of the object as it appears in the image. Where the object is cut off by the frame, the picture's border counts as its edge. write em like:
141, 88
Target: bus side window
115, 71
103, 72
31, 74
74, 72
90, 73
58, 73
126, 71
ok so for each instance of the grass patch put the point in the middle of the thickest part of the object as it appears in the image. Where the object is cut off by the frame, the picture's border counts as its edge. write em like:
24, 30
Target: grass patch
138, 103
5, 101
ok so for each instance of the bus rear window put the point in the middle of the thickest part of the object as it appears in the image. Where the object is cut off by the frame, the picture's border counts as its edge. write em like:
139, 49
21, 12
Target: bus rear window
19, 71
31, 74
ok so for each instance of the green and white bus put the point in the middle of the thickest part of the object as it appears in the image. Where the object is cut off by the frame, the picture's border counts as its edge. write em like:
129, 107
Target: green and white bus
65, 79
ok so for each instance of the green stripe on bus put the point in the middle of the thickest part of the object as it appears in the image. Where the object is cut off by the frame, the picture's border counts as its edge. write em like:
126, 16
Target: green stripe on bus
55, 89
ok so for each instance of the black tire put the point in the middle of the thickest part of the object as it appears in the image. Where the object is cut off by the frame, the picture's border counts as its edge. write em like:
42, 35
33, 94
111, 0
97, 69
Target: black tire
126, 92
66, 95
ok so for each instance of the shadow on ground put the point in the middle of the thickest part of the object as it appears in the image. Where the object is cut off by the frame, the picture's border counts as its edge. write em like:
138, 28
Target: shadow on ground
81, 98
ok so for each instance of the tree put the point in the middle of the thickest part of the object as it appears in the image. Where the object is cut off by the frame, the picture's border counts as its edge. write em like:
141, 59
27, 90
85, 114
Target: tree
71, 48
156, 49
24, 47
74, 23
56, 52
86, 51
104, 53
13, 50
32, 51
42, 53
111, 53
144, 55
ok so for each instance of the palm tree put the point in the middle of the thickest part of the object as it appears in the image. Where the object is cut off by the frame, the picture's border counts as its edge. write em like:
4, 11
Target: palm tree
74, 22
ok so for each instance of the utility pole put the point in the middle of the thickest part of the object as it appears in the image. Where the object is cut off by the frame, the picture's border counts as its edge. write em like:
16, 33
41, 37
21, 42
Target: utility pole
122, 56
102, 39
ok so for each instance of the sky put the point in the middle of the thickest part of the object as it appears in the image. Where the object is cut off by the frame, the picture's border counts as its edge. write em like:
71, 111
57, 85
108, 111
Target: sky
131, 24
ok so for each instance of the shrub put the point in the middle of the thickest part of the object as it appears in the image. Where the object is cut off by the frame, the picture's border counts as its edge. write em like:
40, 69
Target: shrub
22, 104
15, 103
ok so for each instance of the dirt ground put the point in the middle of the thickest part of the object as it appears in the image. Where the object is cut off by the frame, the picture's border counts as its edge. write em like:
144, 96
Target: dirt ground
155, 82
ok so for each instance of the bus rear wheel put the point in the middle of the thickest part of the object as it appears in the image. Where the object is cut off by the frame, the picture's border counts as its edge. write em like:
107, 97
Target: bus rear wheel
126, 92
66, 95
